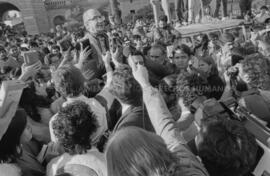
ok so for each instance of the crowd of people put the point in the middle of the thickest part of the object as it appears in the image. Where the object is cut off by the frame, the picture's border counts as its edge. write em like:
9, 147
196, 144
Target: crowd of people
133, 100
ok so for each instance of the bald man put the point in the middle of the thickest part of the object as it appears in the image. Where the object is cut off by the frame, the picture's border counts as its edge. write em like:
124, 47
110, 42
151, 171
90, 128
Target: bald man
94, 23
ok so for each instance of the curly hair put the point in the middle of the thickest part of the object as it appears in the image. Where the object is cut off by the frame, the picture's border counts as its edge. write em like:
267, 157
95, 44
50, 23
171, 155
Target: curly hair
190, 87
69, 81
257, 68
74, 126
125, 87
226, 147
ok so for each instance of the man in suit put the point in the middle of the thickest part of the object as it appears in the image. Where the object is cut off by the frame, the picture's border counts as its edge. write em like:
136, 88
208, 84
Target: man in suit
93, 66
129, 93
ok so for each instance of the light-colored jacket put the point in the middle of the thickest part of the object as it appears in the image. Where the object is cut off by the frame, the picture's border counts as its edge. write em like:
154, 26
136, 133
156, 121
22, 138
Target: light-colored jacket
93, 159
166, 127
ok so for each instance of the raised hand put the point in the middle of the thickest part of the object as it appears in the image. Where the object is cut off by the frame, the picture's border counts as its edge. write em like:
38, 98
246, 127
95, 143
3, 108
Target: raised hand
28, 71
115, 56
84, 54
140, 73
106, 58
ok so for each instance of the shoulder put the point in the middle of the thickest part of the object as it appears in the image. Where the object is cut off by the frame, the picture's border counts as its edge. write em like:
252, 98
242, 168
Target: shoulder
10, 170
56, 164
92, 159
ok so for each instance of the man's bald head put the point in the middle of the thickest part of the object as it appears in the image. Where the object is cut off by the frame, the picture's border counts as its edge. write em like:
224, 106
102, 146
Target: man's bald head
93, 21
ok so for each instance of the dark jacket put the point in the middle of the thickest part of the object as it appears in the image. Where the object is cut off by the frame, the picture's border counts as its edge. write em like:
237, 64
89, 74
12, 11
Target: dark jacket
216, 87
135, 116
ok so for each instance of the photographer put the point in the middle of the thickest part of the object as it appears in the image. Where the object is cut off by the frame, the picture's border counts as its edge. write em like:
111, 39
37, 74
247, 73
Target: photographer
224, 145
246, 81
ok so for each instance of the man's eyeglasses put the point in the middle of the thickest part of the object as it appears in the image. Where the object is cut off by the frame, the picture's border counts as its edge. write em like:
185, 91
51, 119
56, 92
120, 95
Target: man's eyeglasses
97, 18
154, 57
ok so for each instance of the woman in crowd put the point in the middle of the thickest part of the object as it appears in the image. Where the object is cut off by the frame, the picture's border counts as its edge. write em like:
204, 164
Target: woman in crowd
181, 57
207, 68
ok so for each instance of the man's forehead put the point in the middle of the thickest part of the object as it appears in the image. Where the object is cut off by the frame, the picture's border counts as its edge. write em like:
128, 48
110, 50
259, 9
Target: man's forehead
156, 50
89, 14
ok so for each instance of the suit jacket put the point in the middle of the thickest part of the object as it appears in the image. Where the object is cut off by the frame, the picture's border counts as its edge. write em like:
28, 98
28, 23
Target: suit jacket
94, 67
134, 116
167, 129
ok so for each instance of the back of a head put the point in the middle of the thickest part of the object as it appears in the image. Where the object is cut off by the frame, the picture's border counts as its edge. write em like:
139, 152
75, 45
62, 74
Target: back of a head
133, 151
163, 18
74, 126
125, 88
256, 68
190, 87
157, 46
226, 147
68, 81
183, 48
227, 37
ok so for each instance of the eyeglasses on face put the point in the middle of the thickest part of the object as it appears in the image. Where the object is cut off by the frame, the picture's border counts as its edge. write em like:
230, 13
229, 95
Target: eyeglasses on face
155, 57
97, 18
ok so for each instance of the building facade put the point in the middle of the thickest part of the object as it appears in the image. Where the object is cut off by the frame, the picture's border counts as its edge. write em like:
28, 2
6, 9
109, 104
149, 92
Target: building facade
42, 15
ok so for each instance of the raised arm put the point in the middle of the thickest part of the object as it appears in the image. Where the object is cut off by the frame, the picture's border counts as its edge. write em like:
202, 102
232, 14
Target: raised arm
109, 72
159, 114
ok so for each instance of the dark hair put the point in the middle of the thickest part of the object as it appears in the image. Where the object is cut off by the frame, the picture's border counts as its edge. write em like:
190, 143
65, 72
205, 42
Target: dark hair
55, 47
33, 44
190, 87
125, 87
264, 8
183, 48
158, 46
167, 86
203, 45
11, 139
137, 37
45, 50
68, 81
227, 148
2, 49
163, 18
213, 35
139, 18
74, 125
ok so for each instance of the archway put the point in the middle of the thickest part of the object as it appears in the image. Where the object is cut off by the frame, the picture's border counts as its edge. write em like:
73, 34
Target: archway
11, 16
59, 20
6, 7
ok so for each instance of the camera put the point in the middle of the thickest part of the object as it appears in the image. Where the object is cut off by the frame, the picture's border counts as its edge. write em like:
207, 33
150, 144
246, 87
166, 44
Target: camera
233, 72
